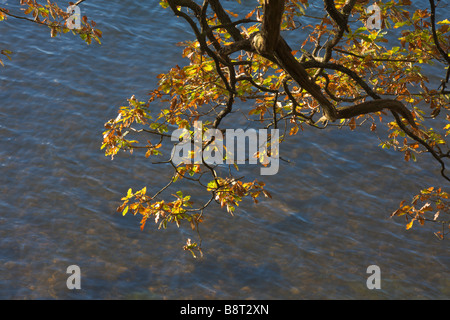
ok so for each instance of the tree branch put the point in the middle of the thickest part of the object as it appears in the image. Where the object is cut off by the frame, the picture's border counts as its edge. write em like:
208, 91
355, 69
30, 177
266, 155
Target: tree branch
338, 17
298, 73
433, 28
266, 41
225, 20
375, 106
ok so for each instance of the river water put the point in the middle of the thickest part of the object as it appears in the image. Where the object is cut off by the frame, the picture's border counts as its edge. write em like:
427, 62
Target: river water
327, 222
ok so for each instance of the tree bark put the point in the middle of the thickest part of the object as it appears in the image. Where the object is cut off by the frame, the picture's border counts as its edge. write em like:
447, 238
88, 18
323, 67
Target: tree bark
338, 17
271, 25
375, 106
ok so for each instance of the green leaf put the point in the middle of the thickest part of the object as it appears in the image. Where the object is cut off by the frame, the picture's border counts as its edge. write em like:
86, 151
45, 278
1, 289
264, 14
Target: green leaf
361, 29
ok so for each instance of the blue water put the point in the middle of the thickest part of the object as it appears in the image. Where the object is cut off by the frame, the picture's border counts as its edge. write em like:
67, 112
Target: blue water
327, 222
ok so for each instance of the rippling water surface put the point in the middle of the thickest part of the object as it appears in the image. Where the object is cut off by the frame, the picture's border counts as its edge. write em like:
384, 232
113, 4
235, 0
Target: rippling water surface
327, 221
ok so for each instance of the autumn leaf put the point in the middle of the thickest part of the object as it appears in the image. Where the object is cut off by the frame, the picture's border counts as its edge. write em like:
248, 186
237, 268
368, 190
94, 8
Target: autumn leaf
250, 14
436, 215
409, 225
232, 13
407, 155
53, 32
446, 21
267, 194
352, 124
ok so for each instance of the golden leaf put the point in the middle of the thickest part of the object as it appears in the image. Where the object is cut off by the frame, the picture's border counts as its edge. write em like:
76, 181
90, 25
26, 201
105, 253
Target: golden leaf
125, 210
409, 225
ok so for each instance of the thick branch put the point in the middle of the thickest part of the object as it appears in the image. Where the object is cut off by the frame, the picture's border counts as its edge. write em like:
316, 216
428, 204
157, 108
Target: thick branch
267, 40
271, 45
201, 37
222, 114
366, 107
225, 19
295, 69
435, 38
375, 106
436, 42
341, 20
338, 17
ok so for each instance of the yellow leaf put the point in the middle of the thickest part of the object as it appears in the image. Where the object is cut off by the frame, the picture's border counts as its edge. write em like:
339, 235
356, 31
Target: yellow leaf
208, 67
125, 210
444, 22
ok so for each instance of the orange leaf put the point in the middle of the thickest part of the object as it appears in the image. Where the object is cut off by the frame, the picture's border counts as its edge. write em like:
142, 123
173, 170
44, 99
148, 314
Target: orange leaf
232, 13
409, 225
143, 221
250, 14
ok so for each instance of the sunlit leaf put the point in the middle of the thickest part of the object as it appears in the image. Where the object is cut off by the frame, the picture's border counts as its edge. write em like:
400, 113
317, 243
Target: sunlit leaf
409, 225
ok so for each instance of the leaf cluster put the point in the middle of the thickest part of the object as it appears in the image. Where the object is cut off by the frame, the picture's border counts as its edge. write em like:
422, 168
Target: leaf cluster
430, 205
343, 57
55, 18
